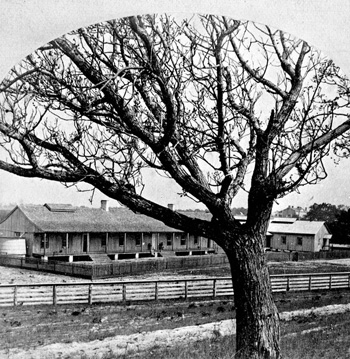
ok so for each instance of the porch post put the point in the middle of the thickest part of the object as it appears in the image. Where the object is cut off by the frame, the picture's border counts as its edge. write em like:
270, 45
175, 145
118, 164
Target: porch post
67, 243
45, 241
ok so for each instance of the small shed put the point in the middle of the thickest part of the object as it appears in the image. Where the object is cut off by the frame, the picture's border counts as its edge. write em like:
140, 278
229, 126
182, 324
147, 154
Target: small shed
304, 236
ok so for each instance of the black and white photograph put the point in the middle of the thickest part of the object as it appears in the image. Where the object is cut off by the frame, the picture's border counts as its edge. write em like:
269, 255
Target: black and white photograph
174, 179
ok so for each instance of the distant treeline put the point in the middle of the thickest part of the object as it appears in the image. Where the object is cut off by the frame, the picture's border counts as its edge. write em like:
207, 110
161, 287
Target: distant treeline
337, 219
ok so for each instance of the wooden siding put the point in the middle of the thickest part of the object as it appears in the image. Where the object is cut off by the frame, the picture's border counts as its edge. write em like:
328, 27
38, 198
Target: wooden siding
96, 241
318, 244
292, 242
17, 222
113, 242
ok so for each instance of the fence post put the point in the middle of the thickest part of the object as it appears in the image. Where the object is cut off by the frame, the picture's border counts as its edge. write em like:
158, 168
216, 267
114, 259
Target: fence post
186, 289
310, 281
54, 295
214, 288
330, 281
156, 291
124, 292
90, 294
288, 284
15, 295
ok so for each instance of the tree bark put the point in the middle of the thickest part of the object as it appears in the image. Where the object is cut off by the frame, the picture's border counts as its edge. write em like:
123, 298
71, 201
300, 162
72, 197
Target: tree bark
257, 318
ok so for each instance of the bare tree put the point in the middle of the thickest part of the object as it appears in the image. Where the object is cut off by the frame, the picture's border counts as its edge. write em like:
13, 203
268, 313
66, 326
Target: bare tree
215, 104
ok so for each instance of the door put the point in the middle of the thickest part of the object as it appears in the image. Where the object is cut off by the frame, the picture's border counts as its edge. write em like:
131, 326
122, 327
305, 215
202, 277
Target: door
85, 242
268, 241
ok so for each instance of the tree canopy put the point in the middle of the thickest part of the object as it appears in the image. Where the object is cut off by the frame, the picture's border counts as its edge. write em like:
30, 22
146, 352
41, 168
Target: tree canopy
202, 100
323, 212
336, 217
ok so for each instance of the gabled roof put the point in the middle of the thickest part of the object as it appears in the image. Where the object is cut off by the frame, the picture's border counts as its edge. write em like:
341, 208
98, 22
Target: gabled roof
63, 218
297, 227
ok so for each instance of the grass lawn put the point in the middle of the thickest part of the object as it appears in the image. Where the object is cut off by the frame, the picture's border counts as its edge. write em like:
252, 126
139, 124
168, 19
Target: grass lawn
307, 338
303, 337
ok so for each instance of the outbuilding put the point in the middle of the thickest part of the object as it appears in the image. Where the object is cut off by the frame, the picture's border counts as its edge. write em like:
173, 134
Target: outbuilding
294, 235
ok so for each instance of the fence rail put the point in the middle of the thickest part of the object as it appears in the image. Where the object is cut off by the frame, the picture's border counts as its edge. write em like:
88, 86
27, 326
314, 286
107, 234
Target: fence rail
119, 291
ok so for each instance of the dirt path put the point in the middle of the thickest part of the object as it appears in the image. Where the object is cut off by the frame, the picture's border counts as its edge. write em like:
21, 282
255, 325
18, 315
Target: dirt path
125, 345
26, 276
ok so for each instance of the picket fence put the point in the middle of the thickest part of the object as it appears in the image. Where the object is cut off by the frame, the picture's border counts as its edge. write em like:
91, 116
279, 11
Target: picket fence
142, 290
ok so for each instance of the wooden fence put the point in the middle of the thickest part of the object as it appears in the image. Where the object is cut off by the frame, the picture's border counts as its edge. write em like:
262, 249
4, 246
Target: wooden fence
116, 268
118, 291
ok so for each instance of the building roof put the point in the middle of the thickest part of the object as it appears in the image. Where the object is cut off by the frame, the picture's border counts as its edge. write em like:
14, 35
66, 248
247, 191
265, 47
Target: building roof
296, 227
66, 218
4, 213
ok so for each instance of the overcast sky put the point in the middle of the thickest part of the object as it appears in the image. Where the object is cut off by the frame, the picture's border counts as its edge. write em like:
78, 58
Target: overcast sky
27, 24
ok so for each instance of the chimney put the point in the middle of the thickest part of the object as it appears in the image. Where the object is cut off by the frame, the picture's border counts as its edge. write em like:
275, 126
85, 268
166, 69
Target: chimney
171, 206
104, 205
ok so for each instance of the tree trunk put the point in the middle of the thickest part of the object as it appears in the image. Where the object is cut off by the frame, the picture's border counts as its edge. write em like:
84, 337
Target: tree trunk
257, 319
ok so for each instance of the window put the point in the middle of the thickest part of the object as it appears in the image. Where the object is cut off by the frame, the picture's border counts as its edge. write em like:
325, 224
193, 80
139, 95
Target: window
44, 241
64, 241
169, 239
284, 239
183, 239
299, 241
17, 234
121, 240
195, 240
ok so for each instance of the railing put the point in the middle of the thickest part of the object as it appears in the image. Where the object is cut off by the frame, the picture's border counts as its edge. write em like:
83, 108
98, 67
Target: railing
118, 291
310, 281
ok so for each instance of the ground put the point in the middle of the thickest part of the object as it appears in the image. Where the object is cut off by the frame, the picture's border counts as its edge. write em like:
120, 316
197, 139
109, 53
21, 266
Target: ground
25, 276
111, 331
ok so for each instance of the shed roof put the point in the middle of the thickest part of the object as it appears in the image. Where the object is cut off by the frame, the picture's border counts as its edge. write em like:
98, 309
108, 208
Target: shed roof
297, 227
49, 218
